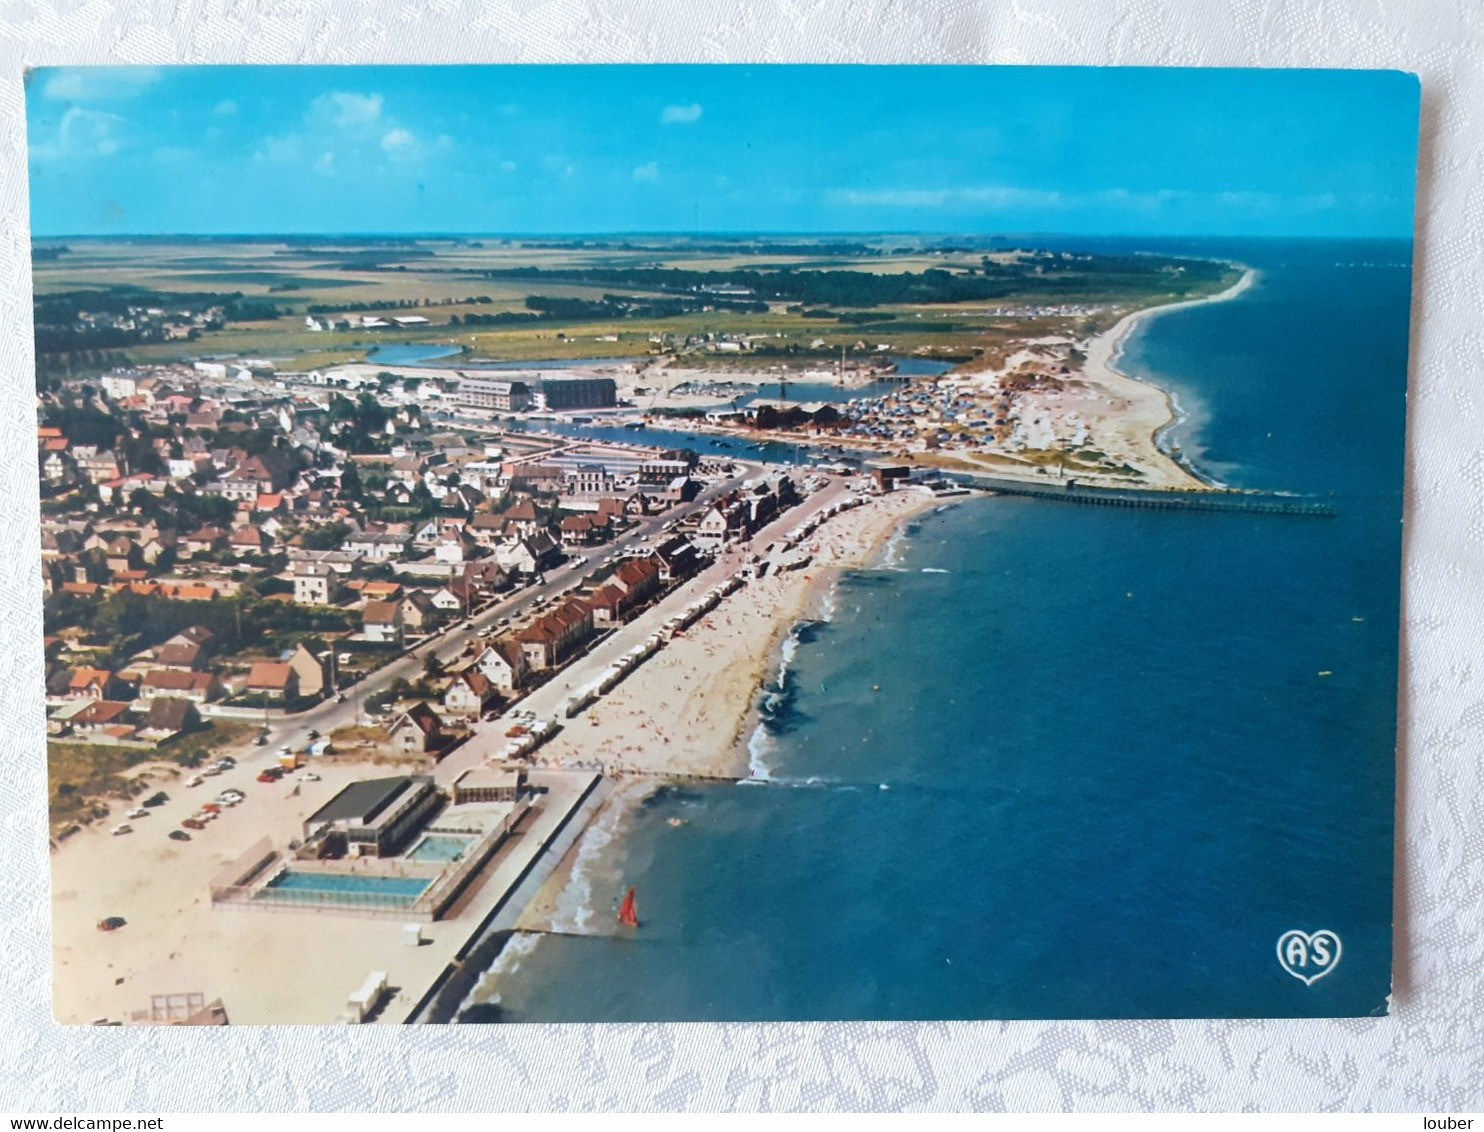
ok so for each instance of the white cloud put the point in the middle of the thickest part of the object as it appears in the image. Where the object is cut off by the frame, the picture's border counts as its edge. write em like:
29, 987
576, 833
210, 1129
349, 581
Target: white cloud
345, 110
81, 133
507, 167
289, 147
673, 114
398, 140
402, 145
225, 108
99, 84
647, 172
325, 163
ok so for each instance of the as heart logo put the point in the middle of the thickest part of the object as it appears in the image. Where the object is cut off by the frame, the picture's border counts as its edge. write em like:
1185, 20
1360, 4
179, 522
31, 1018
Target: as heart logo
1309, 958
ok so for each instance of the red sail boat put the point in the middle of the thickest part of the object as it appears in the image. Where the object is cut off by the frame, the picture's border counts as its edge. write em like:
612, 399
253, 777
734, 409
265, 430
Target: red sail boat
627, 915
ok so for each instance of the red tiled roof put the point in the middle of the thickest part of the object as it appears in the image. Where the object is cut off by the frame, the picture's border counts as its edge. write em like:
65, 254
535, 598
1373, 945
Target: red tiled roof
380, 613
88, 677
609, 597
172, 680
193, 591
266, 674
101, 711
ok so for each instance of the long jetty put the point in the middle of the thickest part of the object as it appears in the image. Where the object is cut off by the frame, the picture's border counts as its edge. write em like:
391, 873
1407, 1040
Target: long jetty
1215, 499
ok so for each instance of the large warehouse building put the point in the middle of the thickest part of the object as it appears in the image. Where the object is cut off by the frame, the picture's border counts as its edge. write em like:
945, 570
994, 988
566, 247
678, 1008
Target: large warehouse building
564, 393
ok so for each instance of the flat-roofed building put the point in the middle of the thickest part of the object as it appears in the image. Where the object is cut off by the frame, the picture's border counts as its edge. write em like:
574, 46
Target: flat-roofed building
579, 393
504, 396
489, 784
377, 816
659, 470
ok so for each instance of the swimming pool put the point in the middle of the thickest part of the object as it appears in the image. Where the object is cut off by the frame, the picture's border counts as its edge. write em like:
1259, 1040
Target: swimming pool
338, 888
440, 847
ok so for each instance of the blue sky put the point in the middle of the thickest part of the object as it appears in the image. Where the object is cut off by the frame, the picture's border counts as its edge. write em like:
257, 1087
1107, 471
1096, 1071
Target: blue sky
582, 149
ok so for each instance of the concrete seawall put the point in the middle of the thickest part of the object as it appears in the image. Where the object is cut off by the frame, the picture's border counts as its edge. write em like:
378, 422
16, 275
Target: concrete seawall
540, 859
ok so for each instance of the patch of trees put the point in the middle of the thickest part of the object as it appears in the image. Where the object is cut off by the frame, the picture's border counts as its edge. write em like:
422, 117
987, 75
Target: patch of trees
66, 306
398, 304
58, 364
82, 424
499, 318
619, 306
58, 328
365, 417
1054, 277
327, 537
193, 511
131, 622
724, 247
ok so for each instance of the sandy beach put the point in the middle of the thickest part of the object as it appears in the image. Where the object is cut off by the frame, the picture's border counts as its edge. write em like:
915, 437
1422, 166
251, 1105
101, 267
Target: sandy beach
1140, 410
688, 710
681, 713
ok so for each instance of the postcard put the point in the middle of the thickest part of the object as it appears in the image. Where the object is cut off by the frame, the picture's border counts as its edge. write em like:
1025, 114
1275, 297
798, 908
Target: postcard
735, 543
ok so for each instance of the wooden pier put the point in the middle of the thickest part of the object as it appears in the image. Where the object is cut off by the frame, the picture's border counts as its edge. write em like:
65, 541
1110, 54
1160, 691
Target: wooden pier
1215, 499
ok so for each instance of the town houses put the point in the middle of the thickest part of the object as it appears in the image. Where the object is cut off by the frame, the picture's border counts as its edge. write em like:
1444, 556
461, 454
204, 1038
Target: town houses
224, 539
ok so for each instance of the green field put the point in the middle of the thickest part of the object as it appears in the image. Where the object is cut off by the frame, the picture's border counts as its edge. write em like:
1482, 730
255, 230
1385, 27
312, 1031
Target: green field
438, 279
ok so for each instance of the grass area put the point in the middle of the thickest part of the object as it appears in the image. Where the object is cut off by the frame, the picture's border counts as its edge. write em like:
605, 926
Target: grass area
216, 735
452, 270
80, 775
357, 735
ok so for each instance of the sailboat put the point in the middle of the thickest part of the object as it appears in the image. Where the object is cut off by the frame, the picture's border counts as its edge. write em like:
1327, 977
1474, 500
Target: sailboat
627, 915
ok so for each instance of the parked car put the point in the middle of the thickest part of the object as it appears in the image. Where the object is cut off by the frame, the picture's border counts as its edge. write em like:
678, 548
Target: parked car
309, 776
261, 740
271, 774
159, 798
121, 829
313, 734
111, 923
226, 762
195, 780
179, 835
193, 823
137, 812
212, 808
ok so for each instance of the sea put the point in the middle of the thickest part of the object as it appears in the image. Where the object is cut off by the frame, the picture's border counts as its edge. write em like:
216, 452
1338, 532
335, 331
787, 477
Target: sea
1054, 761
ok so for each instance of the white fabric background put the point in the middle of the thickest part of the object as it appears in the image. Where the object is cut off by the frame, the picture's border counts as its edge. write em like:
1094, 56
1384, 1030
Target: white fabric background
1426, 1056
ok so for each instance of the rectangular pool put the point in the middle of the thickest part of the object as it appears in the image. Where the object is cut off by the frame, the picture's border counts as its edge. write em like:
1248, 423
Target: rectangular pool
440, 847
339, 889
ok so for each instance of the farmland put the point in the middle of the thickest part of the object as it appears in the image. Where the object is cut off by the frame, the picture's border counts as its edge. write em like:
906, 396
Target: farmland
528, 299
